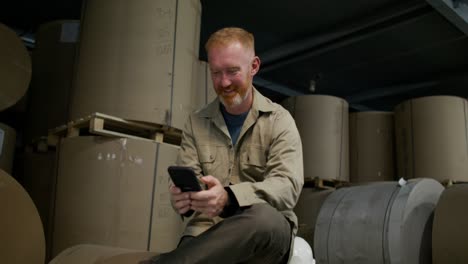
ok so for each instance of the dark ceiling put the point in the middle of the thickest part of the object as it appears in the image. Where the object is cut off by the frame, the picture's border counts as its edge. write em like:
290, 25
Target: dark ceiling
374, 53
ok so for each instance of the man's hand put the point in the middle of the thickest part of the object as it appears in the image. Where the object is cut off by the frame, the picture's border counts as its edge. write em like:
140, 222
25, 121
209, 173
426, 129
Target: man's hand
180, 200
212, 201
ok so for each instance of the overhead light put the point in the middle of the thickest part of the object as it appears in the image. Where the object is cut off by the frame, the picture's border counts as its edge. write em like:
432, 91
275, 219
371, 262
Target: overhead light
312, 85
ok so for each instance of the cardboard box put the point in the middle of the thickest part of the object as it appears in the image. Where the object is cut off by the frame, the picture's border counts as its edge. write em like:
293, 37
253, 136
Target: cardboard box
114, 192
166, 225
88, 254
206, 92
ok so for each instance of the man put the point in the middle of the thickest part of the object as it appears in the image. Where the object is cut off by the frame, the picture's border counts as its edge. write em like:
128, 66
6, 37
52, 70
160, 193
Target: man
250, 154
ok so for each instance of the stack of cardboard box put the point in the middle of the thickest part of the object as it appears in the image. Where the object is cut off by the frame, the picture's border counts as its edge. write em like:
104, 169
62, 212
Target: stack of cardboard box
138, 62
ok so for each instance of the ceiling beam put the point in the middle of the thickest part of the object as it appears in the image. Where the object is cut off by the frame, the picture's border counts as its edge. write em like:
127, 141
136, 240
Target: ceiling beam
276, 87
456, 11
381, 92
361, 108
285, 90
315, 45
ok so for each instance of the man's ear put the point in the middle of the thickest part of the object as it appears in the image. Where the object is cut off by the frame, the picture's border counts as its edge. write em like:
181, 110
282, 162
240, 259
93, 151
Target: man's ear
255, 65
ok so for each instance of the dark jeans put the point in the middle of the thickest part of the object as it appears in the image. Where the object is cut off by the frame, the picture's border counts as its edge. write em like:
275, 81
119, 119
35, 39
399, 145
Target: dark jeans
255, 234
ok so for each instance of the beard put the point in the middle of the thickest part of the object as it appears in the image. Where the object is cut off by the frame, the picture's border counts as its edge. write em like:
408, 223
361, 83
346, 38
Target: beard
231, 102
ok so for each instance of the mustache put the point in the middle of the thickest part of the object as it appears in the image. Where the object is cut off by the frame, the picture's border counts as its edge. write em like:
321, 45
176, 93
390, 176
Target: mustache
230, 87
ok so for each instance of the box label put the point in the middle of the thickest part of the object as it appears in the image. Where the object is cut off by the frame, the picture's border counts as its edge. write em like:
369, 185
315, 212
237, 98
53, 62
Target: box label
70, 32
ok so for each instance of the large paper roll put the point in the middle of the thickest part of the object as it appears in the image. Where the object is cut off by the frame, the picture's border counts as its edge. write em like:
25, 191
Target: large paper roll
7, 147
15, 68
307, 210
322, 122
204, 85
137, 60
21, 235
371, 146
39, 181
449, 233
380, 222
432, 138
53, 64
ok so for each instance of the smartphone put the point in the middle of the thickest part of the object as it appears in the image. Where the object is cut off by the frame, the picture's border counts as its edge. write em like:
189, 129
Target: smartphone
184, 178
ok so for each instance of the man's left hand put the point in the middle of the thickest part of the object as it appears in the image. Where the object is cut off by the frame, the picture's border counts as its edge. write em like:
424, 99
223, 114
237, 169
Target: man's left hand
212, 201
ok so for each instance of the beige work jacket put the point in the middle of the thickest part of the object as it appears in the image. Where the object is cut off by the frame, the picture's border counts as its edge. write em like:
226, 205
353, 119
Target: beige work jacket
265, 165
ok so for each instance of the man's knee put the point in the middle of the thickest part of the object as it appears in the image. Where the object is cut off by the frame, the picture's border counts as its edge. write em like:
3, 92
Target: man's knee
270, 233
263, 219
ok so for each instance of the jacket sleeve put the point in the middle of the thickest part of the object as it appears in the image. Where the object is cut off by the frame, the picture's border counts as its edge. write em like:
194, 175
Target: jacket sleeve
283, 177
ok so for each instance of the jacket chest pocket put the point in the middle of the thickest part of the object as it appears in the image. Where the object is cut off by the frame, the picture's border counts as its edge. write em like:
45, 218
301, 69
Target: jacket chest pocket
213, 160
253, 162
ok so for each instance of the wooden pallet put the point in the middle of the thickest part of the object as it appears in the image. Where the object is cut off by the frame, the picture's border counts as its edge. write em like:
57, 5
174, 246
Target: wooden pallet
106, 125
38, 145
324, 184
448, 183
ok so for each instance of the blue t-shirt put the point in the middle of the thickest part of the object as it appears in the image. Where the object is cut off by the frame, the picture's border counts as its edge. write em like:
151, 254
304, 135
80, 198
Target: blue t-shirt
234, 123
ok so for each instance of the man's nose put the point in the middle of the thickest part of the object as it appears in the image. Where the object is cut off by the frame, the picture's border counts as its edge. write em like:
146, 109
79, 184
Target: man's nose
225, 81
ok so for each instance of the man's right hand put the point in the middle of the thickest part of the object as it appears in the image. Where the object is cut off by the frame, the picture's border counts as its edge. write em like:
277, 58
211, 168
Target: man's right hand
180, 200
